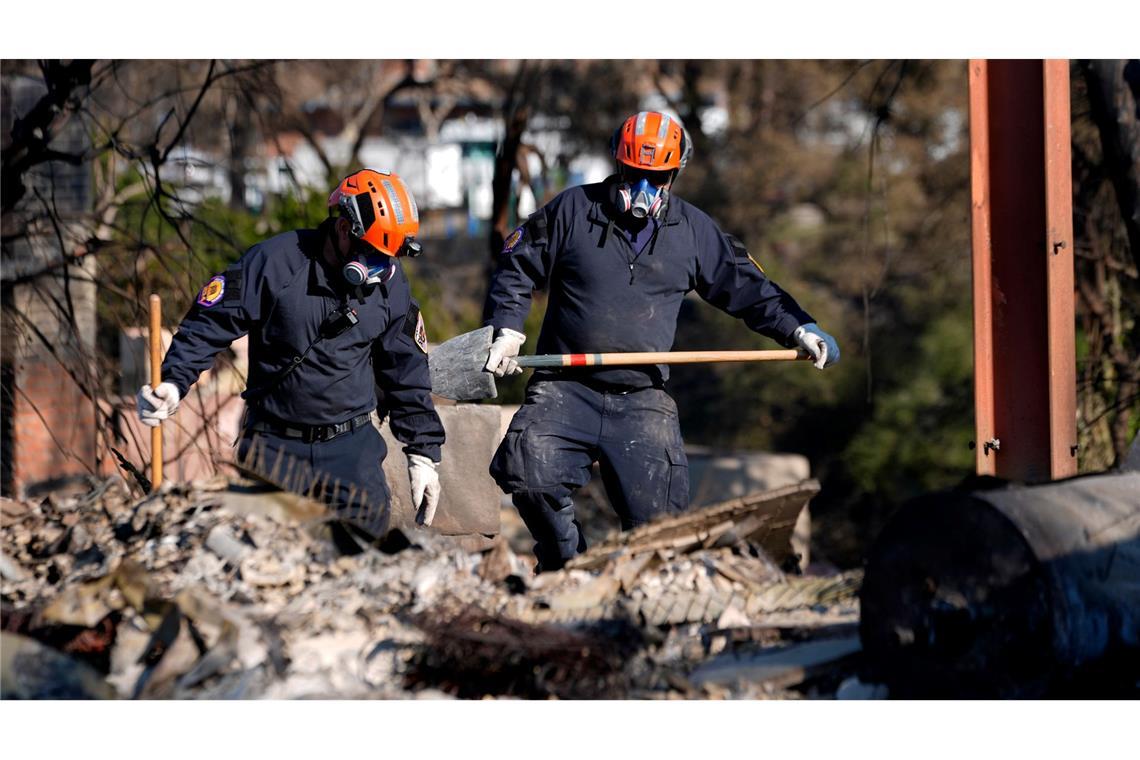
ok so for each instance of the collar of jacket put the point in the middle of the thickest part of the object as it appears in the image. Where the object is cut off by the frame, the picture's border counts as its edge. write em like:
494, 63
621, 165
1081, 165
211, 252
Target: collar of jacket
319, 274
324, 279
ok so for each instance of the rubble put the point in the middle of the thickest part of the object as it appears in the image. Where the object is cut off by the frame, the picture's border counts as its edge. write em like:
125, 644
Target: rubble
216, 590
783, 665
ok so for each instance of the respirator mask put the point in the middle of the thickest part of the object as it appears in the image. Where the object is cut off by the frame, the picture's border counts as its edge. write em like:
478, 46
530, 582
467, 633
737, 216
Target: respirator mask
641, 193
366, 267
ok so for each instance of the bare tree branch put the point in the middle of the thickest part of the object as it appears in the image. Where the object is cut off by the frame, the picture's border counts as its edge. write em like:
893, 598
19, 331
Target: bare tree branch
32, 133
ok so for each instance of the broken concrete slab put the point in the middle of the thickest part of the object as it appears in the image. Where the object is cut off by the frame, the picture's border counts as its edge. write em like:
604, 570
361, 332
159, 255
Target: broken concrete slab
717, 476
470, 499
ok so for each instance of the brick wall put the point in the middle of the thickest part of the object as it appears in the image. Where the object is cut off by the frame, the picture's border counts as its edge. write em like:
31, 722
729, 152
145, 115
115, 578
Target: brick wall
53, 425
49, 428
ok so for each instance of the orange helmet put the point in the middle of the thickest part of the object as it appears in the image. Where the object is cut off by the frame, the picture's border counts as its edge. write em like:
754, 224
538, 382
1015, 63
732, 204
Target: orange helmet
381, 209
653, 141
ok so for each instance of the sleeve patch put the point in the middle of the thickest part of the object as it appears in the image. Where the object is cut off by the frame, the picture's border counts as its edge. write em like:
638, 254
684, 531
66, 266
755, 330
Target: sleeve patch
212, 292
742, 252
421, 333
414, 327
513, 240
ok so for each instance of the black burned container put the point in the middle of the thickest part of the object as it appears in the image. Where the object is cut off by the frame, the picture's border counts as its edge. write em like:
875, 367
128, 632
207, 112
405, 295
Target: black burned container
1019, 591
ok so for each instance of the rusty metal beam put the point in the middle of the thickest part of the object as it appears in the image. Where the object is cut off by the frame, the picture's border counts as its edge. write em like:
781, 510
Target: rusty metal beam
1059, 273
1021, 213
982, 271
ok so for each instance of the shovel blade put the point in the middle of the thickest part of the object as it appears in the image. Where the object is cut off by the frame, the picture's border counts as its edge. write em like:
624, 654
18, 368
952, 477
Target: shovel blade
456, 367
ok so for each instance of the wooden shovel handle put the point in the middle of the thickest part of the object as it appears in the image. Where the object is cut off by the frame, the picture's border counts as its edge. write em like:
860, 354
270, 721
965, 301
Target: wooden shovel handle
660, 357
155, 379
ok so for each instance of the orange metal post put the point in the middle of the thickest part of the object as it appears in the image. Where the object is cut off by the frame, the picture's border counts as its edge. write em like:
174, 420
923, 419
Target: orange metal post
1021, 190
980, 240
1060, 272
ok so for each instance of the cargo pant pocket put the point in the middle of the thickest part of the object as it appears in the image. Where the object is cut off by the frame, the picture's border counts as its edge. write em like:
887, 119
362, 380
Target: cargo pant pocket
508, 466
678, 479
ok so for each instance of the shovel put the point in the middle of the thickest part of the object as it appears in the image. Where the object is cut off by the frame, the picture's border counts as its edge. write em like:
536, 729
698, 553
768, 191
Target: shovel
457, 364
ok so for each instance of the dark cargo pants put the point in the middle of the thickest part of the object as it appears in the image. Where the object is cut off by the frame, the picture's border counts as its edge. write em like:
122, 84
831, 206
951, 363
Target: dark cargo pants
562, 428
343, 472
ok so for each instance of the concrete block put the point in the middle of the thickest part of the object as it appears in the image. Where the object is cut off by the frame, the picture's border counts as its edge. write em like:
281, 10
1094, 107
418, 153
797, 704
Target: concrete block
716, 476
469, 503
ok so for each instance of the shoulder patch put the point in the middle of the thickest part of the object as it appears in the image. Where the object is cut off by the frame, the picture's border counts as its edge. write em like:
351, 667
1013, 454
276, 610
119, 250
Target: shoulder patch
421, 333
513, 240
742, 252
414, 327
212, 292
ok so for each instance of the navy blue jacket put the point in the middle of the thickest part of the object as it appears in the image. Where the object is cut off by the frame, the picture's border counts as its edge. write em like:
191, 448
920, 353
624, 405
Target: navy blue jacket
280, 292
604, 296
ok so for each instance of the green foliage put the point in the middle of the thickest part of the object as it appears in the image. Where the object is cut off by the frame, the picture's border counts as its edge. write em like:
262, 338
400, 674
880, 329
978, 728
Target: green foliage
916, 437
442, 317
177, 246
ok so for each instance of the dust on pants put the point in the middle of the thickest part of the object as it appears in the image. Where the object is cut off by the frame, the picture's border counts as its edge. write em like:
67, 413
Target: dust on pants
562, 428
344, 472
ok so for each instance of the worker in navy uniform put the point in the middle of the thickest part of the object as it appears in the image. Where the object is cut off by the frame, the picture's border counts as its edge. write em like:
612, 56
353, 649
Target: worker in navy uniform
616, 258
330, 319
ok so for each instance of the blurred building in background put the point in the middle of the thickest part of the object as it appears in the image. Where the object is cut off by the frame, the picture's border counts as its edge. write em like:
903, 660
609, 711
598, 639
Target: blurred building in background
47, 408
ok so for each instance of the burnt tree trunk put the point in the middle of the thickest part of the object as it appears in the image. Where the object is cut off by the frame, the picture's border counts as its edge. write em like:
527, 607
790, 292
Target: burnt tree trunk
28, 144
516, 113
1015, 592
1114, 99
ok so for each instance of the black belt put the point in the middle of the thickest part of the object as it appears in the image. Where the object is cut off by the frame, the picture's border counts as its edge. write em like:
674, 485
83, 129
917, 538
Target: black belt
307, 433
597, 385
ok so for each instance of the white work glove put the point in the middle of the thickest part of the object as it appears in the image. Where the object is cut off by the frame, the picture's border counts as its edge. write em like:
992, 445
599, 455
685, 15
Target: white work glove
504, 349
157, 404
425, 487
822, 347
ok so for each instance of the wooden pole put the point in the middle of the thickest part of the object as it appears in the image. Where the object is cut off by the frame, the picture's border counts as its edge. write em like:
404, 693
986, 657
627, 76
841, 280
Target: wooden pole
155, 380
660, 357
